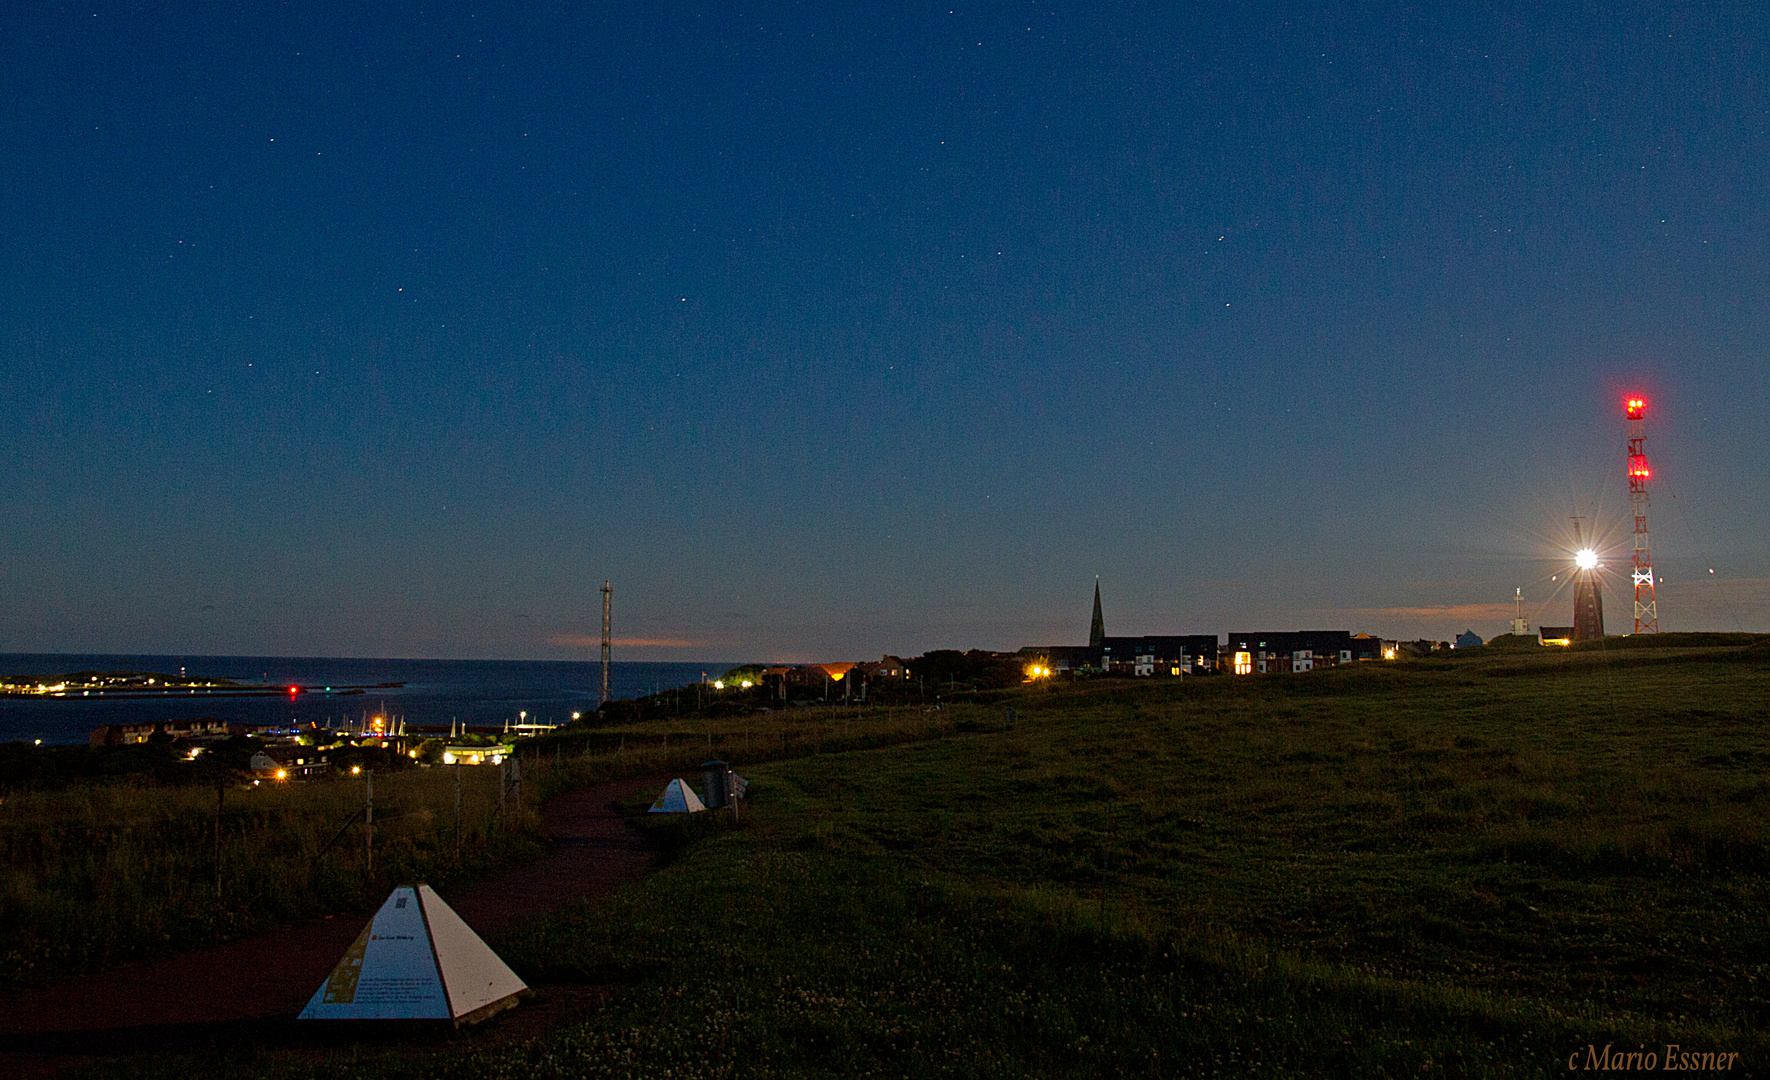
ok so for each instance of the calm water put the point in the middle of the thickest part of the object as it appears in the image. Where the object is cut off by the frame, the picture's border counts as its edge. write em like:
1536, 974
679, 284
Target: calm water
480, 692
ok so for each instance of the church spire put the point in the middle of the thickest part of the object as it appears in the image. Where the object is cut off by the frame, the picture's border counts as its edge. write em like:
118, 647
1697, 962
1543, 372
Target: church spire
1097, 631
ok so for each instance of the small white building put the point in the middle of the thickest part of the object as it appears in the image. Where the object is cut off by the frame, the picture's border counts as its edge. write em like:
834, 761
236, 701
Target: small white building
477, 755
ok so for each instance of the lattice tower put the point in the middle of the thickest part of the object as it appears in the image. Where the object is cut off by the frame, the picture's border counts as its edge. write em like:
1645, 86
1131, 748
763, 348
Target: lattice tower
1646, 606
608, 593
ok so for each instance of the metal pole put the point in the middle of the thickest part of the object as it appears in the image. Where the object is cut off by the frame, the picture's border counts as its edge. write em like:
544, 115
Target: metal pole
457, 768
607, 641
369, 821
220, 795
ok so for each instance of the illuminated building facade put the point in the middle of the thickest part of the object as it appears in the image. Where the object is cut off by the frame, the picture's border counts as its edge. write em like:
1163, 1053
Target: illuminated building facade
1297, 651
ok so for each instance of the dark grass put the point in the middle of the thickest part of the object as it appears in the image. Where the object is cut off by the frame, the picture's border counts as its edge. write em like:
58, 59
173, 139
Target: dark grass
101, 874
1475, 867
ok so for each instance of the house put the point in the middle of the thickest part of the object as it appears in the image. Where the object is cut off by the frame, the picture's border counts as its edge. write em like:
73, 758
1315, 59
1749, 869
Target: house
1062, 657
1160, 655
290, 762
1469, 639
888, 667
1165, 655
819, 674
477, 755
1150, 655
1281, 653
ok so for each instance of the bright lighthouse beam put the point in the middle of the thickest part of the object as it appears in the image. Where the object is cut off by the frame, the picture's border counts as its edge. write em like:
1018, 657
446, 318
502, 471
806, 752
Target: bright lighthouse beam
1586, 559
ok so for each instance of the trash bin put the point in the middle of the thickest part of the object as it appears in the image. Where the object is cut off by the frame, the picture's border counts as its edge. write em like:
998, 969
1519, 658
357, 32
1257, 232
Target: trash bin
716, 777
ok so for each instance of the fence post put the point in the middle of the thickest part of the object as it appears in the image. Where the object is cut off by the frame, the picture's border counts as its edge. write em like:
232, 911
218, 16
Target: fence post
369, 822
220, 794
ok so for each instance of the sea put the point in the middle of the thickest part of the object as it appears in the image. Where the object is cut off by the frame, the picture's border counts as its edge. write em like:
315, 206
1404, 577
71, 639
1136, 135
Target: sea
483, 694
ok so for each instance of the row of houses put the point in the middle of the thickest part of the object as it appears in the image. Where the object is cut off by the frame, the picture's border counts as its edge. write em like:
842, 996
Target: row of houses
1170, 655
1150, 655
147, 730
846, 678
1301, 650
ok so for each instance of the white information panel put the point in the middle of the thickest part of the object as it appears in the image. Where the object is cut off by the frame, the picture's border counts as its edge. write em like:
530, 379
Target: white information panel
390, 973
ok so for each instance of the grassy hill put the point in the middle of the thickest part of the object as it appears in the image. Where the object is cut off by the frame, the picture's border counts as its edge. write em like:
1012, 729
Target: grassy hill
1475, 868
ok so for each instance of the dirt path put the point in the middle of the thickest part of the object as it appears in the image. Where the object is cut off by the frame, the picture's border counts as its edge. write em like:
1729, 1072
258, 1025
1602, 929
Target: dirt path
248, 991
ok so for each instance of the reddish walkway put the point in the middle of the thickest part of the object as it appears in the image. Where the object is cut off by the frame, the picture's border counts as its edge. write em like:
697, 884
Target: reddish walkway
242, 990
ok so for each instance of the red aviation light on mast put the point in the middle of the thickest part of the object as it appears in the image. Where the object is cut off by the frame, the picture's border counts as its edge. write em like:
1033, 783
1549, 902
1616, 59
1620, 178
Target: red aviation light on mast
1636, 407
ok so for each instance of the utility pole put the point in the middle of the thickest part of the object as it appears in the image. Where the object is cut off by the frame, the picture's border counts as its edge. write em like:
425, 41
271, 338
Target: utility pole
1646, 605
608, 593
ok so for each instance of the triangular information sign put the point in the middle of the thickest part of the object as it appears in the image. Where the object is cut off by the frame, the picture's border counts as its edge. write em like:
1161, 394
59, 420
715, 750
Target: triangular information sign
678, 798
473, 975
416, 960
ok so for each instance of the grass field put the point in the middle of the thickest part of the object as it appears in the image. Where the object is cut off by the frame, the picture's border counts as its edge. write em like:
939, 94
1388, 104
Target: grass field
1472, 867
99, 874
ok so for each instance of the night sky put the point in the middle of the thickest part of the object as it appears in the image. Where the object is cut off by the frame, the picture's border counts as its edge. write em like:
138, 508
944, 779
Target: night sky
832, 330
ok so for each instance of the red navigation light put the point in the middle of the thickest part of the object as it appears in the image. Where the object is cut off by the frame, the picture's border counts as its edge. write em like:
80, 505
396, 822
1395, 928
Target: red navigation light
1636, 406
293, 690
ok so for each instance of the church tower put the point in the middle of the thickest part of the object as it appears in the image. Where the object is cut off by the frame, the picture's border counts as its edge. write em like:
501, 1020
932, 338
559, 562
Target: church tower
1097, 631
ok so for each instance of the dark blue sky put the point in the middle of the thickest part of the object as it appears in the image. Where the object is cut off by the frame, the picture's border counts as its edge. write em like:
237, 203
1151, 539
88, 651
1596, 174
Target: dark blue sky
837, 329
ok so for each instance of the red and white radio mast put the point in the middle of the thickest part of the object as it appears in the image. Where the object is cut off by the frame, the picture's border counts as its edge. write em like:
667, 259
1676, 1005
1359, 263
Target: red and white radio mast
1646, 609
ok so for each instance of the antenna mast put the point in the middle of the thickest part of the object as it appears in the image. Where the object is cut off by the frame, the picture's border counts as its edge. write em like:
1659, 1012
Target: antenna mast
1646, 606
607, 594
